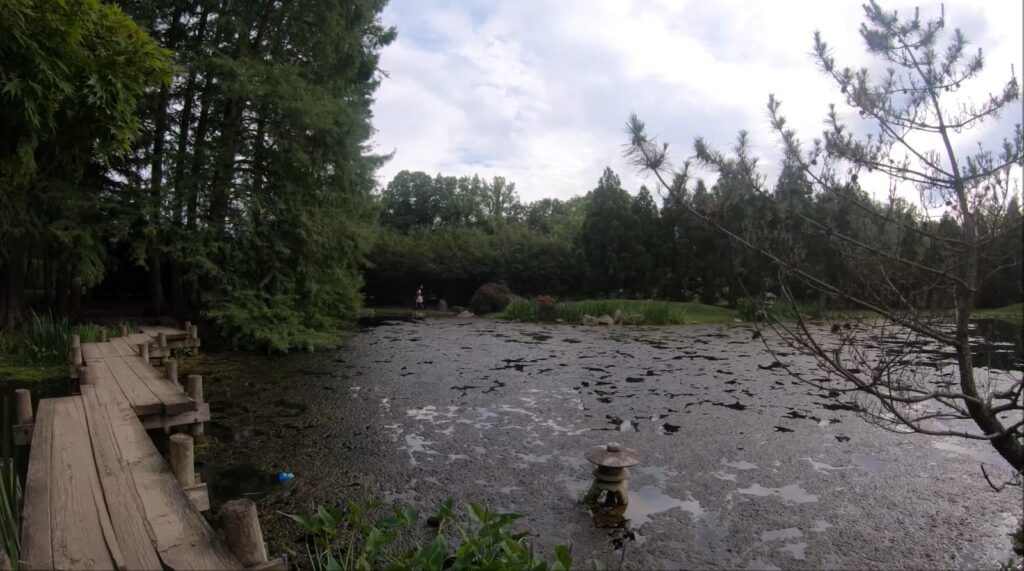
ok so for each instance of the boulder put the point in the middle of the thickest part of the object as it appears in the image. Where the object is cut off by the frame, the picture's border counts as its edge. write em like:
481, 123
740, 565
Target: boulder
606, 320
589, 320
632, 319
466, 314
442, 305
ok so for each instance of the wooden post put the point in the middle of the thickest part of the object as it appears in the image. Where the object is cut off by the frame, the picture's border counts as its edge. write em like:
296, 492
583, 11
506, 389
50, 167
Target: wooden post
122, 330
76, 350
161, 341
242, 531
23, 406
183, 459
103, 335
83, 376
187, 327
194, 388
193, 332
144, 351
171, 370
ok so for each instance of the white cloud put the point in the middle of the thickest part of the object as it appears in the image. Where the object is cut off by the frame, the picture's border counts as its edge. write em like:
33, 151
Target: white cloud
539, 91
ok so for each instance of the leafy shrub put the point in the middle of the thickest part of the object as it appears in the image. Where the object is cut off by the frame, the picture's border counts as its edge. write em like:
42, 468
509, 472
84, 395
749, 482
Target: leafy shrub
356, 540
489, 298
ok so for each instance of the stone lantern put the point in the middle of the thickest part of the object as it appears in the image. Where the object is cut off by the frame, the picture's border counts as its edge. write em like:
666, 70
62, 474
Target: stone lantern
608, 492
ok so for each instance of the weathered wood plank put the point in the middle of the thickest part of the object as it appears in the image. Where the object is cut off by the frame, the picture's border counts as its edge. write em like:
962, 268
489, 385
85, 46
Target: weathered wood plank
122, 347
91, 351
200, 414
36, 550
134, 339
90, 470
108, 350
77, 525
181, 535
173, 399
139, 394
121, 497
100, 375
172, 333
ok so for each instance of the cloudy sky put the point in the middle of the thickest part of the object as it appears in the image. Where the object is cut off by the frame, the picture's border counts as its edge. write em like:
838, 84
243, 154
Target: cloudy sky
538, 91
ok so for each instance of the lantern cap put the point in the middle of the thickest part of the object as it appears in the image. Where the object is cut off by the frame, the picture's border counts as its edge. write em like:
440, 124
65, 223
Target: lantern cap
613, 455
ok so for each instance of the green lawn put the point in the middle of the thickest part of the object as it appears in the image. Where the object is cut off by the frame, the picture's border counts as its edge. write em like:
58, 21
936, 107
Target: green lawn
1012, 313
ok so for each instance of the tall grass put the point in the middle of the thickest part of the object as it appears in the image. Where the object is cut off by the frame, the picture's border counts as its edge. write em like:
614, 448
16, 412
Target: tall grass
651, 312
45, 340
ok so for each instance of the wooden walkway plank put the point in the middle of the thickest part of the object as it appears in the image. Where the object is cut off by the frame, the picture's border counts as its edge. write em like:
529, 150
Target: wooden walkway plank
170, 394
172, 333
123, 348
108, 350
91, 351
77, 529
142, 399
36, 549
181, 535
100, 375
121, 497
133, 340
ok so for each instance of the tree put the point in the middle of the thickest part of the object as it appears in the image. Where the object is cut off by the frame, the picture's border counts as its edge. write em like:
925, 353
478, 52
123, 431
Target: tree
609, 237
70, 76
250, 198
913, 145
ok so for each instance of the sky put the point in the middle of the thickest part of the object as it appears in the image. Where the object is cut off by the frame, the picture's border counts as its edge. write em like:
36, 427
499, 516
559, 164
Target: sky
538, 91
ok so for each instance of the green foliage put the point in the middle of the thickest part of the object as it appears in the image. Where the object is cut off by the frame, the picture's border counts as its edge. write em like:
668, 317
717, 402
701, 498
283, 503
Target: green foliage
71, 73
490, 298
651, 312
360, 539
10, 494
37, 349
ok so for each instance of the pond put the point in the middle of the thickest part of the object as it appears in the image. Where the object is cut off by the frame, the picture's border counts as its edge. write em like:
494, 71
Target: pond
742, 467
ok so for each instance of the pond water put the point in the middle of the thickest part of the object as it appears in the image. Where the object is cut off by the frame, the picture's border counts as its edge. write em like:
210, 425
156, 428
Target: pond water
742, 467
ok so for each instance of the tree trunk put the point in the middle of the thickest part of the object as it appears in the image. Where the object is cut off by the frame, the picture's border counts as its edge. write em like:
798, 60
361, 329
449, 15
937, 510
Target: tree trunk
14, 283
156, 285
177, 294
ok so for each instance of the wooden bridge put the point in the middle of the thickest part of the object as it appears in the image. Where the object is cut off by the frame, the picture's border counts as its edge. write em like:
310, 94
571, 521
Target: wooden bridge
98, 493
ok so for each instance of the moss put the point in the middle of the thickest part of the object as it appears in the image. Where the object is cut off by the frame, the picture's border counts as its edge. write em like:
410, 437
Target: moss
31, 374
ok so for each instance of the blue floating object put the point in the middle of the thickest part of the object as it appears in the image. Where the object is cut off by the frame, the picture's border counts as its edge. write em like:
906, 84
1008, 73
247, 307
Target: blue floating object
282, 476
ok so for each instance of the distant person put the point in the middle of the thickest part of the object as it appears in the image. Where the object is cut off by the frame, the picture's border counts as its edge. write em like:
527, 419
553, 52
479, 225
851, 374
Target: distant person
419, 297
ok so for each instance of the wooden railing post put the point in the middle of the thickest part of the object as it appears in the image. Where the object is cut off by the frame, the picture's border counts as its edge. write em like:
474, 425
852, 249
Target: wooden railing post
171, 368
242, 531
144, 351
23, 406
193, 332
187, 326
122, 330
183, 459
103, 335
161, 341
194, 388
76, 350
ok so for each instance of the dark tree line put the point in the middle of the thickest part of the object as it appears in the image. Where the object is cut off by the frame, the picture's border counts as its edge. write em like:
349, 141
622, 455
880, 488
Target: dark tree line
441, 231
245, 198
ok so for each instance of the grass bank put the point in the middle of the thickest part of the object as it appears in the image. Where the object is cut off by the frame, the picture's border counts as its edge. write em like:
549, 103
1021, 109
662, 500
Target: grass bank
651, 312
1012, 313
399, 313
38, 349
